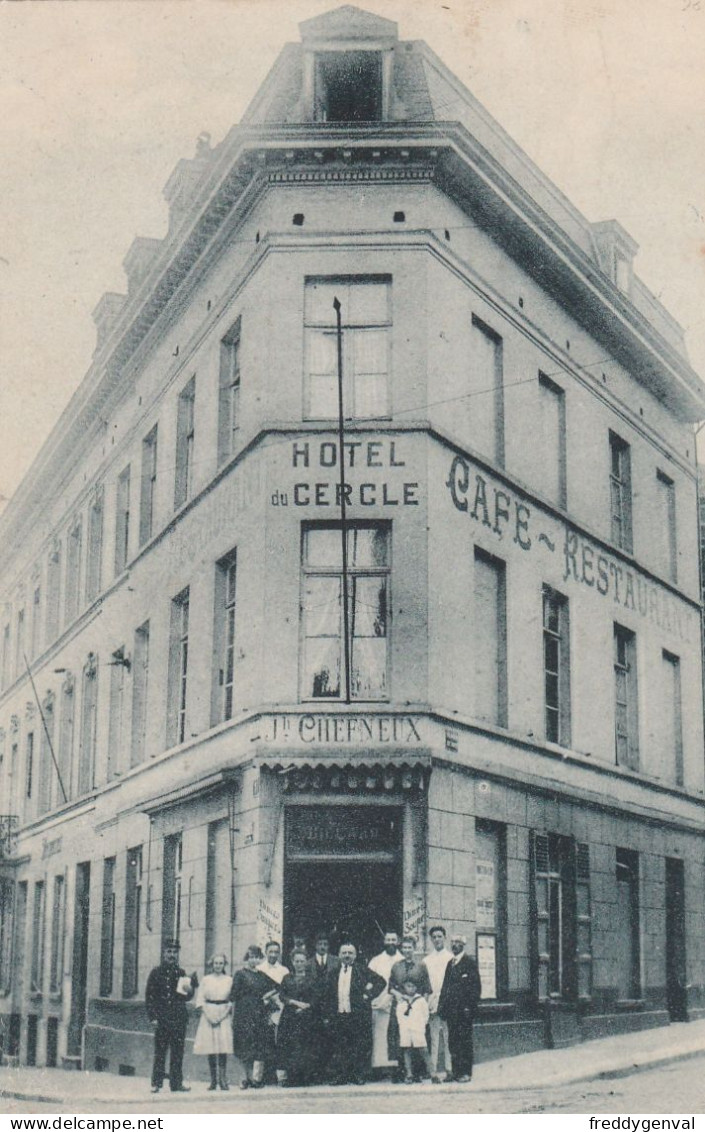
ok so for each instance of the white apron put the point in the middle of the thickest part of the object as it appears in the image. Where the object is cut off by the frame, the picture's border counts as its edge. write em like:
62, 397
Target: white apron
381, 1009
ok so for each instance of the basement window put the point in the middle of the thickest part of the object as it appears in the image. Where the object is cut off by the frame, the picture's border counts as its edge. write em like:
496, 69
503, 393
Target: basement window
348, 86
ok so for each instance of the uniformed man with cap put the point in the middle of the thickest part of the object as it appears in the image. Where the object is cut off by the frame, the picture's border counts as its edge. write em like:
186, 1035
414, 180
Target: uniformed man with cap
169, 988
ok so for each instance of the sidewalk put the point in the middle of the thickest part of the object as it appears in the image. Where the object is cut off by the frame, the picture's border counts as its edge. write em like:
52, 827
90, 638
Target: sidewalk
606, 1057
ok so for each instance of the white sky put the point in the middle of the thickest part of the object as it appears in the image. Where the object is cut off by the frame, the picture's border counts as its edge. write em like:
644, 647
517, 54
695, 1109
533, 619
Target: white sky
102, 97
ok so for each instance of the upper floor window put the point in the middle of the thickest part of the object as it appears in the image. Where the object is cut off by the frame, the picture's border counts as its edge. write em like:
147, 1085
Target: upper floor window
366, 333
122, 520
671, 719
178, 669
551, 443
36, 621
486, 400
224, 637
95, 546
148, 485
620, 492
556, 666
185, 439
490, 617
325, 650
140, 688
20, 643
89, 724
6, 660
348, 86
665, 526
53, 592
73, 571
118, 666
229, 393
626, 723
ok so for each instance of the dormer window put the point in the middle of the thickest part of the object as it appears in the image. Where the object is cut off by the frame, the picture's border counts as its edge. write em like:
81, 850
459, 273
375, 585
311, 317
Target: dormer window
348, 86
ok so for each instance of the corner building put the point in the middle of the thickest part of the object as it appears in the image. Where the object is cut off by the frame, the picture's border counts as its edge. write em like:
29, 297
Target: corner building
521, 756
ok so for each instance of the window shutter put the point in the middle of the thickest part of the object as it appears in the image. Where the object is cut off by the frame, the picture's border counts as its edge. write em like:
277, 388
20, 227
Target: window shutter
583, 932
541, 943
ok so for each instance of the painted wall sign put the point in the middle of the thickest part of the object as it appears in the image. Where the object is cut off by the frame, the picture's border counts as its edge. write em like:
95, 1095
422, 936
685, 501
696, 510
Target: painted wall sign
342, 730
269, 921
341, 830
373, 480
415, 917
582, 562
487, 964
51, 848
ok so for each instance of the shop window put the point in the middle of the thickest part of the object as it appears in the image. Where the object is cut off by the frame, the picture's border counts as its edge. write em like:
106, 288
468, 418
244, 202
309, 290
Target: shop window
490, 639
551, 448
556, 667
348, 86
620, 492
665, 527
89, 723
140, 688
122, 521
45, 778
671, 718
178, 670
365, 310
107, 928
491, 908
171, 887
626, 723
148, 485
7, 908
224, 637
133, 918
185, 441
229, 393
116, 710
626, 928
73, 571
562, 949
366, 588
94, 561
38, 914
485, 403
58, 935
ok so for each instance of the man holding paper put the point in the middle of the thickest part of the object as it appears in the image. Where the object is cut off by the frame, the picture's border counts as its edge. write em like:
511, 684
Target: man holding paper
169, 988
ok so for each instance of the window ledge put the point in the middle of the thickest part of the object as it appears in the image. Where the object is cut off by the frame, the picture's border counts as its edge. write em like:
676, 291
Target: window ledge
629, 1005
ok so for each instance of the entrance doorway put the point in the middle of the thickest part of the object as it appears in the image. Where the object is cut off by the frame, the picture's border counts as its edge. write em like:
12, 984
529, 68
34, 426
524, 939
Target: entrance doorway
675, 941
356, 901
343, 874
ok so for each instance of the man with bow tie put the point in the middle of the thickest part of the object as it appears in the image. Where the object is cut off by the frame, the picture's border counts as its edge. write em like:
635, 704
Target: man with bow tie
458, 1002
348, 1017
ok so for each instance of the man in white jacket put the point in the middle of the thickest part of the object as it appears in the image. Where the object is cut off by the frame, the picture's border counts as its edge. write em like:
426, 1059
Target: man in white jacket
382, 1005
436, 962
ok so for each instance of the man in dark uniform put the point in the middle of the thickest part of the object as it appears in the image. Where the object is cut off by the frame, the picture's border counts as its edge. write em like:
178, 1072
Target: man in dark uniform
457, 1005
168, 990
323, 969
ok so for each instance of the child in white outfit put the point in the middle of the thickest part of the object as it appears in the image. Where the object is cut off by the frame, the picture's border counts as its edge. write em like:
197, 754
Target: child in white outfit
412, 1016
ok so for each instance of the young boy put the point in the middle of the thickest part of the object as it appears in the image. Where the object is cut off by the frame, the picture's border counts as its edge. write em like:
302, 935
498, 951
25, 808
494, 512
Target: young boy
412, 1016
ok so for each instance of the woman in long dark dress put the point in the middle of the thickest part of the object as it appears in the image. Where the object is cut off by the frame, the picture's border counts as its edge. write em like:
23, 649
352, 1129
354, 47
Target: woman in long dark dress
298, 1027
251, 1032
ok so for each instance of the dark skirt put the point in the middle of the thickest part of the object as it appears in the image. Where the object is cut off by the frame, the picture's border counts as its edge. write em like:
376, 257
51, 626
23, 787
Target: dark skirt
252, 1034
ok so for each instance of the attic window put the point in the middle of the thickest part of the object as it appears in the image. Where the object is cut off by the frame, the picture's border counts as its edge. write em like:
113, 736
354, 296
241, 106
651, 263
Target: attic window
622, 274
348, 86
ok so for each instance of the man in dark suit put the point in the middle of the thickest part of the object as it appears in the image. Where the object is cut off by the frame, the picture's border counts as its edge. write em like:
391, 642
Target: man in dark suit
348, 1016
322, 969
168, 990
457, 1005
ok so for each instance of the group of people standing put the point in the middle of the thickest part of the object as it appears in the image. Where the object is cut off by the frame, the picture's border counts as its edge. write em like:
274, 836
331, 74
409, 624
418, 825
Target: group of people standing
324, 1018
